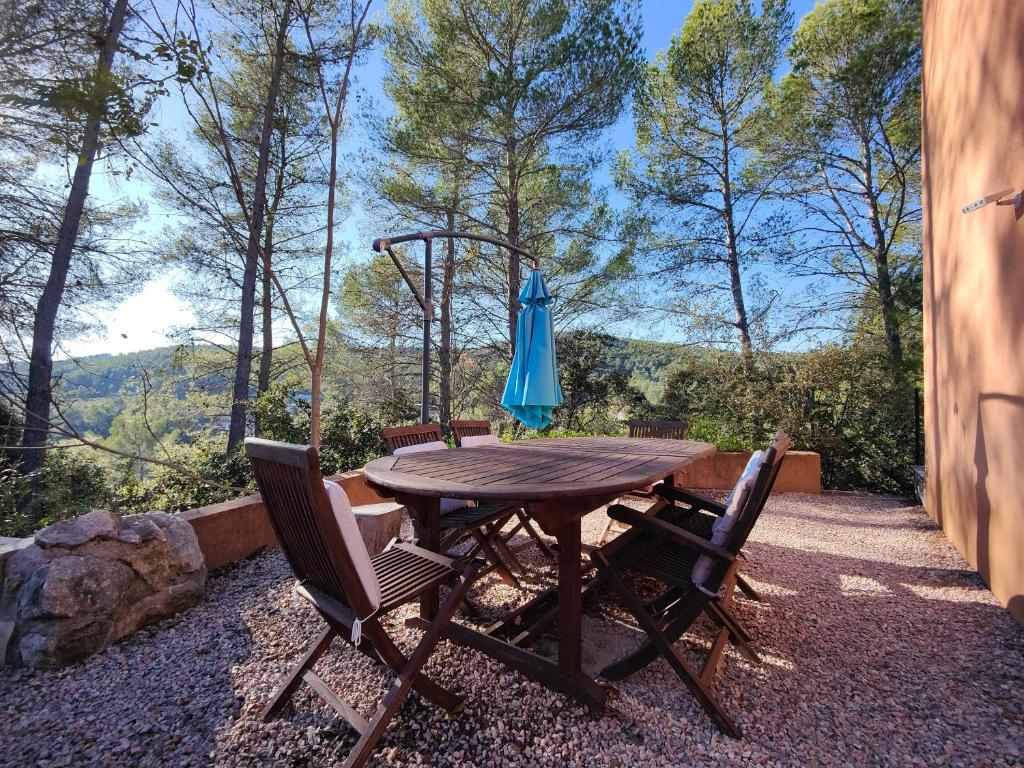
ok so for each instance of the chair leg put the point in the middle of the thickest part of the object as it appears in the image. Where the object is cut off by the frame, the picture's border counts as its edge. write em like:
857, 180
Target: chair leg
665, 600
293, 679
495, 537
603, 538
672, 656
538, 540
737, 634
673, 629
747, 590
495, 559
406, 676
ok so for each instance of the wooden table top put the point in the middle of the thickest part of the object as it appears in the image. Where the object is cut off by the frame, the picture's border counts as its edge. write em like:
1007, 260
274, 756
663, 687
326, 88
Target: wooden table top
535, 470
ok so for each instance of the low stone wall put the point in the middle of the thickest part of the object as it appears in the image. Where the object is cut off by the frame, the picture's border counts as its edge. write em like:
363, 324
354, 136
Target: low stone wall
800, 472
233, 530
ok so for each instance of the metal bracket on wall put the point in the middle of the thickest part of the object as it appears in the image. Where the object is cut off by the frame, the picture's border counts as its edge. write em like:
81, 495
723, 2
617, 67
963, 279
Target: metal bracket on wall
999, 198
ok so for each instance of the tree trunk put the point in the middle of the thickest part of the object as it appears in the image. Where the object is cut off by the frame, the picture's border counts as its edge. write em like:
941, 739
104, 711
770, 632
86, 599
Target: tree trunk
316, 370
243, 364
741, 321
266, 299
883, 281
514, 281
37, 401
445, 363
266, 322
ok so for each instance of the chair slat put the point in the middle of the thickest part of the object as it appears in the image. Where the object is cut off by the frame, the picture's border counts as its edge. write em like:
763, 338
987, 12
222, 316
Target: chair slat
415, 434
668, 430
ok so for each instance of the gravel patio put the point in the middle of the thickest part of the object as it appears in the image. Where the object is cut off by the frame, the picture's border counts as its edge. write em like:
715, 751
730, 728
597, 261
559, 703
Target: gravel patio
860, 592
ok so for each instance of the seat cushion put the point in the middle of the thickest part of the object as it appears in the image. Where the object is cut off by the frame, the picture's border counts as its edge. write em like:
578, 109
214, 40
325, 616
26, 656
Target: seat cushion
433, 445
737, 498
473, 440
353, 541
447, 505
723, 525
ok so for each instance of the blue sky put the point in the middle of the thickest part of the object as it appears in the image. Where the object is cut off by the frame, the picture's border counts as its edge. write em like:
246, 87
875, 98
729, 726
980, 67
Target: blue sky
143, 321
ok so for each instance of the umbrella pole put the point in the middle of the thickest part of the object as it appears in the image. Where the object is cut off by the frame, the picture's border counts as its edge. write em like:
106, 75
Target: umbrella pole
428, 312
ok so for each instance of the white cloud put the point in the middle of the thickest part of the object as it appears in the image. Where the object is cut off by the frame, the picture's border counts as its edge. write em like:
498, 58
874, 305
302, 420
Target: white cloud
142, 321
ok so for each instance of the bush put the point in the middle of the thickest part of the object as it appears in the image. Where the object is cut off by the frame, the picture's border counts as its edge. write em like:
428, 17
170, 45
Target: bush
845, 402
349, 437
70, 483
171, 490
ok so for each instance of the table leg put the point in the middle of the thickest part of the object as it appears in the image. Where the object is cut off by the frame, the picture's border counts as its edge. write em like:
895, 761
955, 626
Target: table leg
428, 515
570, 609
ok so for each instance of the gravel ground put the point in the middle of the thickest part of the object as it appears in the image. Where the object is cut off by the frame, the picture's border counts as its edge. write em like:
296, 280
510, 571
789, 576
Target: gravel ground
879, 645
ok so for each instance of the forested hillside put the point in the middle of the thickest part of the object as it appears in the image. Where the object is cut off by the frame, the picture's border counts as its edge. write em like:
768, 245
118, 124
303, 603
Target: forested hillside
98, 388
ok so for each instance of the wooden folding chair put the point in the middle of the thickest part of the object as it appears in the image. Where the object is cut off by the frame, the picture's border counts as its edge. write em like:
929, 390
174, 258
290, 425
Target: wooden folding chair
461, 519
699, 576
477, 432
666, 430
697, 512
351, 591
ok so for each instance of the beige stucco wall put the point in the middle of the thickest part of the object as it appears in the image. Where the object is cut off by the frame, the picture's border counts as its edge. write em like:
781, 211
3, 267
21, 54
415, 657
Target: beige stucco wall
973, 110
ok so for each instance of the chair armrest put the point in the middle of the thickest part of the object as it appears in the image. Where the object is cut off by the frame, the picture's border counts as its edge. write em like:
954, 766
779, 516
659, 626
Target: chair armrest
656, 525
691, 499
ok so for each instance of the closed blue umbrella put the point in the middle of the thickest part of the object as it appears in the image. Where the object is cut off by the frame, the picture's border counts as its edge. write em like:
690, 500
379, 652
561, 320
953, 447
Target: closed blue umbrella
532, 390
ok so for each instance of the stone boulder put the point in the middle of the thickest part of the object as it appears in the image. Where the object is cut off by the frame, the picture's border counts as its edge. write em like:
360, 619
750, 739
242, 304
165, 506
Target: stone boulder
87, 582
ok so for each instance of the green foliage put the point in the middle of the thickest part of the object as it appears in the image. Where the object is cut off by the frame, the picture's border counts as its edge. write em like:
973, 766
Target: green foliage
845, 402
202, 474
70, 484
846, 124
349, 437
593, 388
698, 218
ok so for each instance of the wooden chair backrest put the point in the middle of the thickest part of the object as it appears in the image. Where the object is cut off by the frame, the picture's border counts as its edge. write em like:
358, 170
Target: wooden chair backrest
417, 434
669, 430
754, 504
300, 512
461, 429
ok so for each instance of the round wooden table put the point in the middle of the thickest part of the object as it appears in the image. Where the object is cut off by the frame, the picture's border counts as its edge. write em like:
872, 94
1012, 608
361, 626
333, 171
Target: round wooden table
557, 482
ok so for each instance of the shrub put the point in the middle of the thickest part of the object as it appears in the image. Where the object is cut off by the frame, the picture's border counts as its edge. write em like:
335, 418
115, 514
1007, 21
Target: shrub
843, 401
70, 483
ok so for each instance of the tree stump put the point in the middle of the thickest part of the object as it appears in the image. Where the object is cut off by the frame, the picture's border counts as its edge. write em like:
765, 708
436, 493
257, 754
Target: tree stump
378, 524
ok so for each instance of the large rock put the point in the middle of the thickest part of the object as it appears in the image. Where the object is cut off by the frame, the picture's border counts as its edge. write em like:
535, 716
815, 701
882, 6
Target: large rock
86, 583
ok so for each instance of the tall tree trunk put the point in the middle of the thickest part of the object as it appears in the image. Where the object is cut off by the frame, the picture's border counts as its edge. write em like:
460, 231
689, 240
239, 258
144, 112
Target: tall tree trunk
335, 120
243, 364
266, 299
883, 280
741, 321
316, 370
514, 280
266, 322
37, 401
445, 363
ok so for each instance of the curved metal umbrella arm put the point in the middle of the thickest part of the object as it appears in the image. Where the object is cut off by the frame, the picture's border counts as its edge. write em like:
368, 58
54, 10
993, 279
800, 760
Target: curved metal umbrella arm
382, 244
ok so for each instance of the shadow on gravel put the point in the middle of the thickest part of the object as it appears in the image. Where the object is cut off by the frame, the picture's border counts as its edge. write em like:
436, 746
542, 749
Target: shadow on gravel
871, 643
156, 699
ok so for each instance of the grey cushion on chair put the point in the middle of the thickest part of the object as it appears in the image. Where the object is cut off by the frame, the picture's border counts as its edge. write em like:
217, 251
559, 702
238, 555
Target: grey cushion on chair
470, 441
353, 540
724, 524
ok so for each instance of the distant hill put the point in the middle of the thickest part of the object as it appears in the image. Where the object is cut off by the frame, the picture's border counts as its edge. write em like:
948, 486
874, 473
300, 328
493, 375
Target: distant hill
105, 375
97, 386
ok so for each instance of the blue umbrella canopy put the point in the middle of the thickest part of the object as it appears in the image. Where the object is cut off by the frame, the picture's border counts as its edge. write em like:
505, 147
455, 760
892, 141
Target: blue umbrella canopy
532, 390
